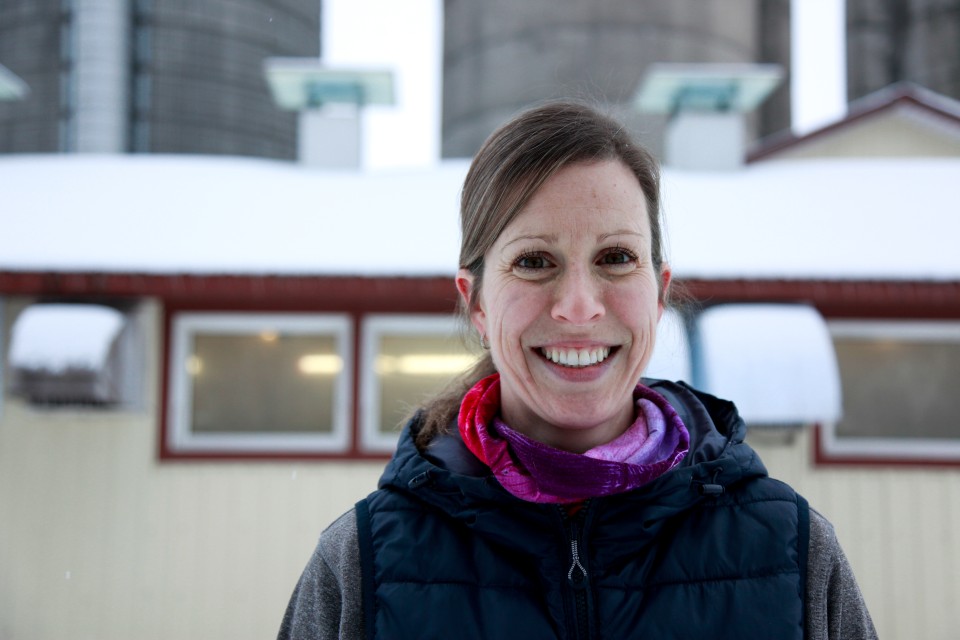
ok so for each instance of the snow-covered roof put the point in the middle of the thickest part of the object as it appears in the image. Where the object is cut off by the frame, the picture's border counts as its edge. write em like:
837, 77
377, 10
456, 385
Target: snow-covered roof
824, 219
195, 214
879, 218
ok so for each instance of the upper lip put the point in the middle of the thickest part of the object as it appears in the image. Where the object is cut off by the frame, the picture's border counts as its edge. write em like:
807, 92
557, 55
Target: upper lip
575, 344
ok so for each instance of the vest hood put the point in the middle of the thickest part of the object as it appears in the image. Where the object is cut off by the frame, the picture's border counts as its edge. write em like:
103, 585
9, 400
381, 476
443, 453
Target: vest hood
448, 477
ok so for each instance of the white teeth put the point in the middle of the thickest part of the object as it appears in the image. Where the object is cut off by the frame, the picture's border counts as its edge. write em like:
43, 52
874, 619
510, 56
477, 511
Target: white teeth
576, 357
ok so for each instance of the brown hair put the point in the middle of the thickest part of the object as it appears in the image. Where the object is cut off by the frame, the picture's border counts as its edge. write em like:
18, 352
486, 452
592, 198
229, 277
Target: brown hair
510, 167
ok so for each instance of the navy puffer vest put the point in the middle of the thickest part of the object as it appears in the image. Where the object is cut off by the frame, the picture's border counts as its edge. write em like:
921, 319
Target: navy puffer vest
713, 549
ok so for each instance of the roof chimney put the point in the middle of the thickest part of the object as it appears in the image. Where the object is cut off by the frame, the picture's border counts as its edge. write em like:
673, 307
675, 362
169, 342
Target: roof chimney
329, 102
707, 105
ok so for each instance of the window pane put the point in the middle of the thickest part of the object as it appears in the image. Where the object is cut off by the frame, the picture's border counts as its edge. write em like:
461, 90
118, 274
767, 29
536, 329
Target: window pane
268, 382
411, 368
259, 383
894, 388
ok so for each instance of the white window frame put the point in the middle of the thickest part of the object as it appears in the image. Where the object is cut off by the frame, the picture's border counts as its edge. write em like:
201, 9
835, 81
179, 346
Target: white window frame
374, 326
892, 449
184, 324
3, 353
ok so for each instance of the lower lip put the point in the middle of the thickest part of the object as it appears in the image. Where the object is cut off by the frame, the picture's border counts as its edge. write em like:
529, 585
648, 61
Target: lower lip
578, 374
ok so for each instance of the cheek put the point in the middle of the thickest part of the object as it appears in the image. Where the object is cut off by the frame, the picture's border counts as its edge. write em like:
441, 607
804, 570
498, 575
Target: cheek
512, 310
639, 308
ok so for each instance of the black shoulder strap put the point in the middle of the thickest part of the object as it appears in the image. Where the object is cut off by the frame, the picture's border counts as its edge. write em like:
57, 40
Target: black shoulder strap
803, 547
367, 589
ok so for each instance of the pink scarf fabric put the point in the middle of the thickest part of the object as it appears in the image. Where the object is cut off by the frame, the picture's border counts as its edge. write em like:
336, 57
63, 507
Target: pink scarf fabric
655, 443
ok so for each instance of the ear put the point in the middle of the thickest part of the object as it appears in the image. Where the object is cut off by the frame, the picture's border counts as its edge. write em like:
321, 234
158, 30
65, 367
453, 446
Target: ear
665, 277
465, 282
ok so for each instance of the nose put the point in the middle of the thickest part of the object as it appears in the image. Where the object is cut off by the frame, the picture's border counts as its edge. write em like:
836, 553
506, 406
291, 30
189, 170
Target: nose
578, 298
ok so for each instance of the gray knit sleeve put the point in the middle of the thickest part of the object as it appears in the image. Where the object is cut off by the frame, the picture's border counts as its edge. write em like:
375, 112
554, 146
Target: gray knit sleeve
326, 603
835, 606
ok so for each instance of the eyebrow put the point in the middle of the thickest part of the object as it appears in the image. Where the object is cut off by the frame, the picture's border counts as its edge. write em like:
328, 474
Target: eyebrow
553, 237
545, 238
621, 232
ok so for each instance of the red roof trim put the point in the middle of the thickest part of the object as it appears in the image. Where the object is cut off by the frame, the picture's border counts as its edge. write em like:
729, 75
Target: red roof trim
840, 299
903, 299
238, 292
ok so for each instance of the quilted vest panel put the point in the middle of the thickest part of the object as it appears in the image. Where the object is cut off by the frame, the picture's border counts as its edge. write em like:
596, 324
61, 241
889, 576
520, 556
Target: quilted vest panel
731, 566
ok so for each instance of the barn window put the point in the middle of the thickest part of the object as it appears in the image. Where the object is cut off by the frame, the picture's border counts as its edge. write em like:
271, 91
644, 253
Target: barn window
65, 354
899, 384
259, 383
406, 359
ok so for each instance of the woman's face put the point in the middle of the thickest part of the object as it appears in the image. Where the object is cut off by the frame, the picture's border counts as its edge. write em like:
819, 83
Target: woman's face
570, 302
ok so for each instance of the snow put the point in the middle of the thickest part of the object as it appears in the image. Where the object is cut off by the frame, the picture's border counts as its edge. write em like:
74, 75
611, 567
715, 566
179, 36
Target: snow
157, 214
819, 219
58, 337
830, 219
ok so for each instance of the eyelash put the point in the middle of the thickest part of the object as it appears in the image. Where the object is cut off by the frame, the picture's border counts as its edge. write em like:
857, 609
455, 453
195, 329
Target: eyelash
630, 255
529, 255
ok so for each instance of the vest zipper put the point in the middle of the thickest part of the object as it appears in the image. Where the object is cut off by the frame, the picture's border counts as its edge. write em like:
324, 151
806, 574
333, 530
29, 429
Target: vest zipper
577, 577
576, 566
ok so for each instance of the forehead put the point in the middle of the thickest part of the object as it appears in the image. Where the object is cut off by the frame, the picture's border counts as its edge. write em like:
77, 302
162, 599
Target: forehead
584, 198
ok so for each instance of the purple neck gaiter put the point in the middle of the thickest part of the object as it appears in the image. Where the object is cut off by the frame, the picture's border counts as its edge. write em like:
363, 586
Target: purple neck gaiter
655, 443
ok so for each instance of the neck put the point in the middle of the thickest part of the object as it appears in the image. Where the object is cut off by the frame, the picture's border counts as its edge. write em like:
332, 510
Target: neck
576, 437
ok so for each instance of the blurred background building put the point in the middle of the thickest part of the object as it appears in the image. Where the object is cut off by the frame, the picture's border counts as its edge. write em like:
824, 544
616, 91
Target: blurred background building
892, 41
151, 76
172, 76
203, 357
500, 56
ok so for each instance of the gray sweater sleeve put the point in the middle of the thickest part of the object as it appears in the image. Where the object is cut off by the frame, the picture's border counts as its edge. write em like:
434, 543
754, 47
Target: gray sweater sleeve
327, 603
835, 606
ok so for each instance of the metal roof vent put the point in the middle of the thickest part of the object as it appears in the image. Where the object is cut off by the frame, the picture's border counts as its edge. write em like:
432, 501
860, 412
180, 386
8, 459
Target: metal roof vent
706, 105
329, 102
11, 86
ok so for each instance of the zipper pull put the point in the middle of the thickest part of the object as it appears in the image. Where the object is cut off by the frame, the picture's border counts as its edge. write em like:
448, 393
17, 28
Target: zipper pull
576, 566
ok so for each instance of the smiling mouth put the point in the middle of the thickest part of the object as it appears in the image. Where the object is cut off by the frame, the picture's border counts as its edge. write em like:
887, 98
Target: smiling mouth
576, 358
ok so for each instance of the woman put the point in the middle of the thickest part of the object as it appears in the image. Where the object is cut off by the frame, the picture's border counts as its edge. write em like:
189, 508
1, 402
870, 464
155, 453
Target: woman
547, 494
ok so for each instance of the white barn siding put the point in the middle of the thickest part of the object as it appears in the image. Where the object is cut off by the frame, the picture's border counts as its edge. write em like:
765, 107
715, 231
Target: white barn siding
900, 528
98, 539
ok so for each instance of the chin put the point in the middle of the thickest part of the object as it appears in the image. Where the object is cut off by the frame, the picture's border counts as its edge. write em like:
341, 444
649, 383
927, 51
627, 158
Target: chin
581, 418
